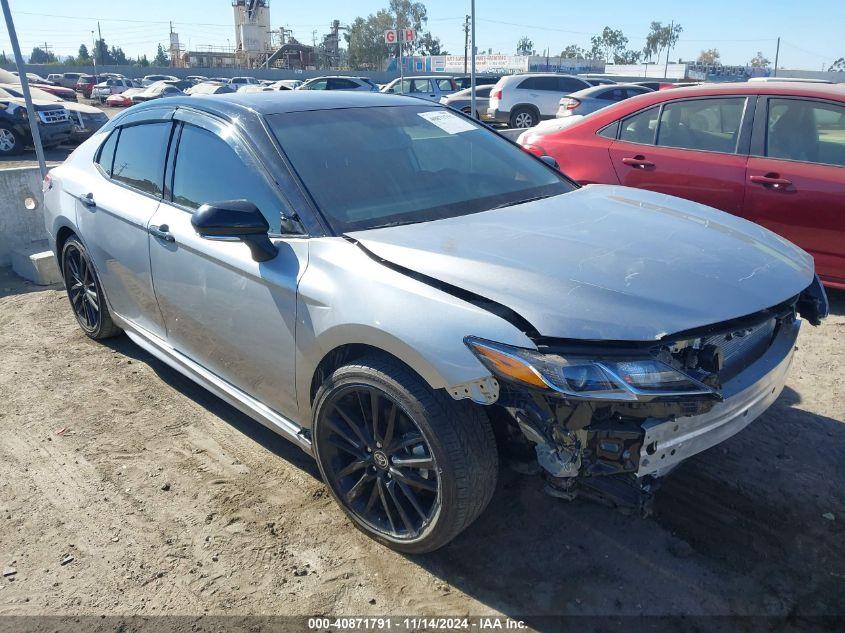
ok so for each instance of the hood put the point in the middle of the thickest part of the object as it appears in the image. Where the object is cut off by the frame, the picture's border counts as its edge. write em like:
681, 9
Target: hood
605, 262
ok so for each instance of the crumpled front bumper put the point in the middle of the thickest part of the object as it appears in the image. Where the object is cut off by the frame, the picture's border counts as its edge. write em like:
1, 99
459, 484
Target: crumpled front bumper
749, 394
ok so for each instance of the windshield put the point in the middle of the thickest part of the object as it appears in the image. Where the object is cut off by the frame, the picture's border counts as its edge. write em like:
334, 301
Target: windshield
388, 165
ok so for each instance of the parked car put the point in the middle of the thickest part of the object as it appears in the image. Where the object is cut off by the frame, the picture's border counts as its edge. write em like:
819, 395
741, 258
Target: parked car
665, 85
522, 101
462, 83
286, 84
156, 91
597, 81
55, 79
771, 153
337, 83
595, 98
181, 84
196, 79
462, 100
424, 87
222, 80
109, 87
58, 91
36, 79
210, 88
242, 81
85, 119
790, 80
86, 84
254, 88
123, 99
66, 80
614, 331
151, 79
54, 124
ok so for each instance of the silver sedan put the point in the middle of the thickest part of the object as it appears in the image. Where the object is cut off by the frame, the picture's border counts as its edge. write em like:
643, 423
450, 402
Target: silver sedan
592, 99
419, 293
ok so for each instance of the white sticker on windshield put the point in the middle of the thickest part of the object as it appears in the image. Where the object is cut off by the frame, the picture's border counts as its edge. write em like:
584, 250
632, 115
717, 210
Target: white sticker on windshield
447, 121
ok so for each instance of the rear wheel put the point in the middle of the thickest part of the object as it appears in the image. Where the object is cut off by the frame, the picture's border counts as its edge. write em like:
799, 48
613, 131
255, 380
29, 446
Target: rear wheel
85, 292
524, 117
410, 466
10, 143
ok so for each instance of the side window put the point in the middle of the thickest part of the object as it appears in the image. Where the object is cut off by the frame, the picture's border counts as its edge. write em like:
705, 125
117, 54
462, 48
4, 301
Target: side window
139, 159
445, 85
703, 124
421, 86
209, 170
404, 86
641, 127
529, 84
318, 85
609, 131
483, 93
808, 131
341, 84
614, 94
548, 83
568, 84
106, 158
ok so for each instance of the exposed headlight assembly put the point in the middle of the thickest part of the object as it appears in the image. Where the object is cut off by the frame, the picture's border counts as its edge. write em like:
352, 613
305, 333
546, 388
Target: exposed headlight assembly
585, 378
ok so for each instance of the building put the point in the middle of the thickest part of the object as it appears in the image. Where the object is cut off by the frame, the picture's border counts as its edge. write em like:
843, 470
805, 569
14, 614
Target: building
253, 43
209, 57
495, 64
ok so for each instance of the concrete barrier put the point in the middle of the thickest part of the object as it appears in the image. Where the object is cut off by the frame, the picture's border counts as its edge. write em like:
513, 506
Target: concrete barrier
23, 238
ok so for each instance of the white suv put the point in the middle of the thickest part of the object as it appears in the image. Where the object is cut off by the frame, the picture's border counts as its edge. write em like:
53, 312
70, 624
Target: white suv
109, 87
522, 101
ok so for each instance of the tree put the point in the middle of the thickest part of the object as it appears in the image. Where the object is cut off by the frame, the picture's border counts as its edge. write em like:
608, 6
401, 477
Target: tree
838, 66
102, 55
84, 57
524, 46
161, 58
430, 45
3, 58
573, 51
118, 56
365, 41
627, 57
710, 57
661, 37
759, 61
608, 44
40, 56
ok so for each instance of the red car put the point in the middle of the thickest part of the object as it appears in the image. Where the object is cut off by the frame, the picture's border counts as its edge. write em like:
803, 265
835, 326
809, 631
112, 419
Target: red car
773, 153
86, 84
58, 91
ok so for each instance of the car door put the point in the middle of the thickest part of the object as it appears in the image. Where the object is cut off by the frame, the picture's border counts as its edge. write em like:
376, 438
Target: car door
232, 315
114, 205
692, 148
796, 177
423, 89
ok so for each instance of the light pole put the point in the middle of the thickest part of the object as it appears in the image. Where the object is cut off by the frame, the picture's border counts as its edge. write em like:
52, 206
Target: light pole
30, 110
472, 66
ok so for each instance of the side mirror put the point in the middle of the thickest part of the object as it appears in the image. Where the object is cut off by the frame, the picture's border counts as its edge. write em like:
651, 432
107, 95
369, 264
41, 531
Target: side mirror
236, 220
551, 162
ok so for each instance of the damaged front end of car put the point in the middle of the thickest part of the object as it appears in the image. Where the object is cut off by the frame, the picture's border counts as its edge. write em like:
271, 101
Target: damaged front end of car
607, 419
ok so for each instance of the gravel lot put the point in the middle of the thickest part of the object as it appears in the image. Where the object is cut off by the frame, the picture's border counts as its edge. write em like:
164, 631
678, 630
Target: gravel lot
125, 489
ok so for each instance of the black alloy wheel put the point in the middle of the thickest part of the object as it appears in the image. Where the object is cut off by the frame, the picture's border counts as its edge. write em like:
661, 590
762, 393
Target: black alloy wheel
85, 293
378, 462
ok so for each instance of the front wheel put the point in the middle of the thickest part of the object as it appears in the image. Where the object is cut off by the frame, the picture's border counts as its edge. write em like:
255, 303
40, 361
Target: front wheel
410, 466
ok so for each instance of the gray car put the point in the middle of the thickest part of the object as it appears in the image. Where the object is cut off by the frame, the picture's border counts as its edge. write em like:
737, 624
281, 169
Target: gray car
594, 99
430, 88
402, 324
462, 100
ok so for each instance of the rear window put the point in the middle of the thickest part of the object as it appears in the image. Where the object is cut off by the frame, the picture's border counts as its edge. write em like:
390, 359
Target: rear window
106, 156
140, 155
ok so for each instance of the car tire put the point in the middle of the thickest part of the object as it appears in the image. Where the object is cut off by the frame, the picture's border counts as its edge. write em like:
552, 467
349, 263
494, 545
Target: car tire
85, 292
453, 438
10, 143
524, 117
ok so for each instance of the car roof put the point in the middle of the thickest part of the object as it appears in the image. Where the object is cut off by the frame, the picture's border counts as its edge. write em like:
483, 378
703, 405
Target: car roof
831, 91
266, 103
594, 90
427, 77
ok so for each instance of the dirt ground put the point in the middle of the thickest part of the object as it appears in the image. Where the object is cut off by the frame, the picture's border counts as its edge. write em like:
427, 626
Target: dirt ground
171, 502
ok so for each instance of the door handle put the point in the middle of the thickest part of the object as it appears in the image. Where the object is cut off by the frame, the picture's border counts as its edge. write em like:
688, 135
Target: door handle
771, 181
638, 162
161, 232
88, 200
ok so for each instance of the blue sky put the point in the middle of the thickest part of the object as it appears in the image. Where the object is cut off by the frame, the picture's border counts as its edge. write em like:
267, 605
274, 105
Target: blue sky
811, 30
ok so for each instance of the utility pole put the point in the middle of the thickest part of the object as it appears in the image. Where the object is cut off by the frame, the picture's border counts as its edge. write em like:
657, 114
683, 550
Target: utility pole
777, 55
472, 68
668, 48
94, 52
466, 42
30, 109
100, 45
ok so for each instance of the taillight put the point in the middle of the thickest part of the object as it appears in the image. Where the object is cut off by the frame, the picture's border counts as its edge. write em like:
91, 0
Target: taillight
571, 104
47, 184
496, 94
534, 149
